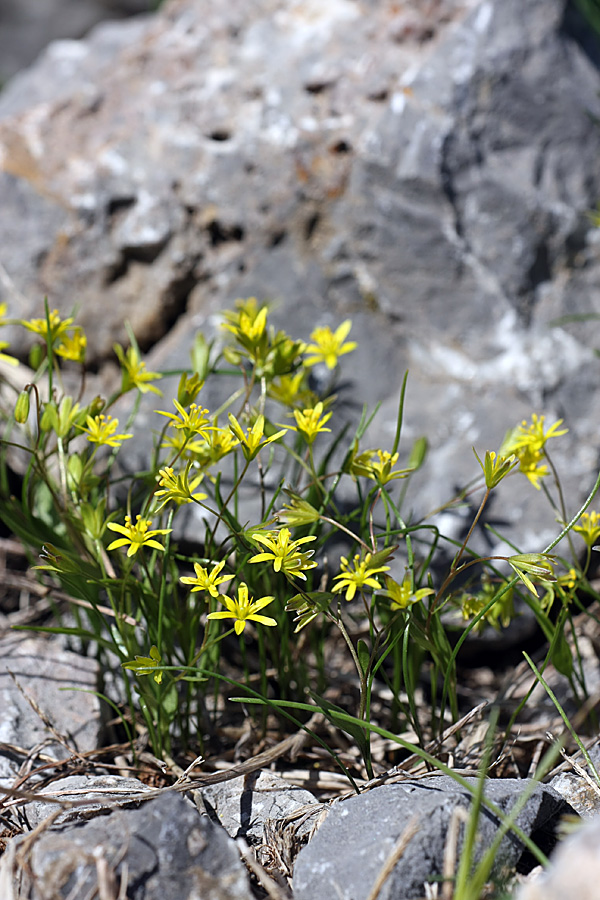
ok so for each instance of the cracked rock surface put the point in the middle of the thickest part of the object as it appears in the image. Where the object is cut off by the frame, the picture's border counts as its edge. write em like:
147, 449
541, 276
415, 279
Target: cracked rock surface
426, 171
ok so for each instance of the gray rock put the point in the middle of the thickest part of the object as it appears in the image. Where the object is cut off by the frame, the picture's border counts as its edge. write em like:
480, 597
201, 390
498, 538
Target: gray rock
426, 174
577, 791
28, 25
574, 869
584, 799
91, 793
59, 684
165, 849
243, 804
348, 852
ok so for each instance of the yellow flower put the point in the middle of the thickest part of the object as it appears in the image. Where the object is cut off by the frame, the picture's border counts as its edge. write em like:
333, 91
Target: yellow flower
217, 444
73, 346
309, 422
329, 345
500, 613
192, 423
527, 443
531, 465
133, 370
58, 326
138, 535
495, 468
249, 307
178, 488
531, 436
377, 465
11, 360
248, 328
189, 388
254, 440
243, 609
589, 529
146, 665
101, 430
183, 446
289, 389
357, 577
286, 554
3, 313
403, 595
205, 581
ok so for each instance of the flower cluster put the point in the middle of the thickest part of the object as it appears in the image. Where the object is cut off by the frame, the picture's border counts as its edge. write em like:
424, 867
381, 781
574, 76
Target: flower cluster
527, 443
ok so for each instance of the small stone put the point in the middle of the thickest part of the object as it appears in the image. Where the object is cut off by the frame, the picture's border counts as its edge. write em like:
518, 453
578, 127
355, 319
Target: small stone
242, 805
95, 790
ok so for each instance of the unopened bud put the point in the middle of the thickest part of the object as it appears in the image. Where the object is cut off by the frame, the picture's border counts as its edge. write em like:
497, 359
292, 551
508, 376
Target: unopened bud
22, 407
36, 356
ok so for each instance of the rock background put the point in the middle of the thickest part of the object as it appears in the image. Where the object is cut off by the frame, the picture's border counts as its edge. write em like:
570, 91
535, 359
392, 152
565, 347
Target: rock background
424, 168
27, 26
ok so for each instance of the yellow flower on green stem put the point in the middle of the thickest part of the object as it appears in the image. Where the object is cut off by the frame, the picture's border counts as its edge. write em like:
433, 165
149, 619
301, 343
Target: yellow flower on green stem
146, 665
589, 527
500, 614
194, 423
180, 445
288, 389
243, 609
531, 465
285, 553
329, 345
73, 346
495, 468
189, 388
249, 329
133, 371
402, 595
564, 586
527, 443
58, 327
217, 444
249, 307
138, 534
310, 422
205, 580
357, 574
178, 488
101, 430
532, 435
254, 439
377, 465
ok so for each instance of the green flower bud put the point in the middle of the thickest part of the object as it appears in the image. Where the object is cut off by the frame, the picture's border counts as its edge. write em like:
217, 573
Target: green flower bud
189, 388
22, 407
36, 356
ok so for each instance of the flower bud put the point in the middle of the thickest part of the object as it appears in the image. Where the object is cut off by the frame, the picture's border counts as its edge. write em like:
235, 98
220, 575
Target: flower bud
22, 407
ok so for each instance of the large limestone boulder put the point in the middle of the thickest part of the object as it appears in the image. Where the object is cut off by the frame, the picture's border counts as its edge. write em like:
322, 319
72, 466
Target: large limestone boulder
425, 170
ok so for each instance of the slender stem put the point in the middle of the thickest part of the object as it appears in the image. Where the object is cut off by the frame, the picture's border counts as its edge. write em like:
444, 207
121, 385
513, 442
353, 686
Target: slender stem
236, 485
347, 530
